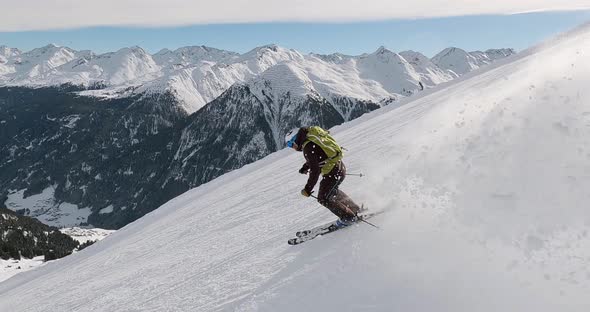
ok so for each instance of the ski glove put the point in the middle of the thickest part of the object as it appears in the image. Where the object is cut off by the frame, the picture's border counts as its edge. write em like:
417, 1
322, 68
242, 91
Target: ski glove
304, 169
305, 193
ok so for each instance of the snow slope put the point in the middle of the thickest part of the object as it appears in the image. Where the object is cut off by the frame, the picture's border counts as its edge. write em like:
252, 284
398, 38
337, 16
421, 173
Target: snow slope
486, 182
11, 267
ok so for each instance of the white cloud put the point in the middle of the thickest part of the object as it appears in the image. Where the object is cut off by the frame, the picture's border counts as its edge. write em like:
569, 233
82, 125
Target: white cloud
57, 14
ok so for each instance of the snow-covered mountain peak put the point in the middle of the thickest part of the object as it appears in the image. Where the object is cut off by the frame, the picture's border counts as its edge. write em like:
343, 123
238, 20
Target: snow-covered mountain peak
134, 51
459, 61
382, 50
43, 49
384, 55
8, 52
337, 58
503, 51
39, 63
272, 51
456, 60
495, 54
262, 58
265, 48
450, 51
414, 57
6, 60
205, 51
393, 72
185, 56
260, 51
282, 79
50, 51
196, 84
127, 65
197, 75
163, 51
430, 74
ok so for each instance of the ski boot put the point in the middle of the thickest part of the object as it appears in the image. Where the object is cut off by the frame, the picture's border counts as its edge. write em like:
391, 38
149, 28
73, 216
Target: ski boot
344, 222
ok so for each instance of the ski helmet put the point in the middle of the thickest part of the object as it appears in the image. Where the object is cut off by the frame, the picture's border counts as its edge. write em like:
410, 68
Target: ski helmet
291, 136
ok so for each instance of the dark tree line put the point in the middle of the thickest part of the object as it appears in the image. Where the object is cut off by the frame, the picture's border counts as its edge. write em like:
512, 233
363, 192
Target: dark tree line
24, 237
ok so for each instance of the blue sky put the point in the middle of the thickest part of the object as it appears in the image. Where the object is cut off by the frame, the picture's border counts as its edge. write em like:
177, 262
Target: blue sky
428, 36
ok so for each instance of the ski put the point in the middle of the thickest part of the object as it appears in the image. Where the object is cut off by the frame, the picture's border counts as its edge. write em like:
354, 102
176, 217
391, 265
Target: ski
304, 236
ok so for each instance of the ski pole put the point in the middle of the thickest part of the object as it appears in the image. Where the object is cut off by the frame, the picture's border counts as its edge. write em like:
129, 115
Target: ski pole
371, 224
356, 174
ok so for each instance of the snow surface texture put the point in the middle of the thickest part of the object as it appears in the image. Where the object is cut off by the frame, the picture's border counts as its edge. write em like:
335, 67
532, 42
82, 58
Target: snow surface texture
11, 267
198, 75
487, 185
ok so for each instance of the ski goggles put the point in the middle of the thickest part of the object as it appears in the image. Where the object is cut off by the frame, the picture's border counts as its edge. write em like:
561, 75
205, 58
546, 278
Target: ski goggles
292, 141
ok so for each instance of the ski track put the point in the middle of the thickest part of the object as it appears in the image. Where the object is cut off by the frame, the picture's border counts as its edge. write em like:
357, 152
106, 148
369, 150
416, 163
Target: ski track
487, 185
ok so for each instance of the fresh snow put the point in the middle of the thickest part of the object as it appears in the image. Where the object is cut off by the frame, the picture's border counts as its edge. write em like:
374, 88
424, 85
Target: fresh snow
486, 185
11, 267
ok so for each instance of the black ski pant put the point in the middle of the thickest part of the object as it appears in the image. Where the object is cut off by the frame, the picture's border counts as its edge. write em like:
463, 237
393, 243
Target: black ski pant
334, 199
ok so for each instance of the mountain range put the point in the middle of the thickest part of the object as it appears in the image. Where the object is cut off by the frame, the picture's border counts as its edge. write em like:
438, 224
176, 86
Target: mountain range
197, 75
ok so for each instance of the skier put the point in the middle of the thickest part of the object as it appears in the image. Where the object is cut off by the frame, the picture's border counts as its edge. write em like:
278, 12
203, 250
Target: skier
323, 155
